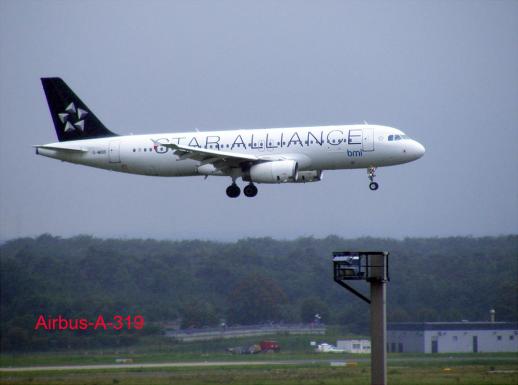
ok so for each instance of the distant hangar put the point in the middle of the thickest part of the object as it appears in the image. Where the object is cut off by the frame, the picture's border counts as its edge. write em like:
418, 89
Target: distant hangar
452, 337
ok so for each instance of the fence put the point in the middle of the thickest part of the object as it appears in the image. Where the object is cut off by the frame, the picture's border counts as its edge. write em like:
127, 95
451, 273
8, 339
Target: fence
243, 331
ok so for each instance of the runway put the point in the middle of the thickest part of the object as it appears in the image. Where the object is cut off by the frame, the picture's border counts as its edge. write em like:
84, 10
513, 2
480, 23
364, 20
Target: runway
161, 365
328, 360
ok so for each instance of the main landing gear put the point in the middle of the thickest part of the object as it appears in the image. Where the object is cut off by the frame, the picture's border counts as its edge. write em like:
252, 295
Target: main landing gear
250, 190
371, 173
233, 191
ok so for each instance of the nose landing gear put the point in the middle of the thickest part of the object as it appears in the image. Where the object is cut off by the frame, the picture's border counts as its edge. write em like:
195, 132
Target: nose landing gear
371, 173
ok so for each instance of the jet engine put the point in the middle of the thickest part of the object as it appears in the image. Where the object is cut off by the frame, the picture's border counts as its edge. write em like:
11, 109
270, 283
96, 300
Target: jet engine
308, 176
279, 171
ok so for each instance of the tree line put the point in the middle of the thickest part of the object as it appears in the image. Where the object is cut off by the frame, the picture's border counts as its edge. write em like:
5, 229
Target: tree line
253, 280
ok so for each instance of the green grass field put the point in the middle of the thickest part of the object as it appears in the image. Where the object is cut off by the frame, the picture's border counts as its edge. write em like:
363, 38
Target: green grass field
299, 374
296, 364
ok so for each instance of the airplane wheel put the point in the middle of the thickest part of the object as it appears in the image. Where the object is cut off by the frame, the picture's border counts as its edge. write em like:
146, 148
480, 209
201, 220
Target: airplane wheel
233, 191
250, 190
373, 186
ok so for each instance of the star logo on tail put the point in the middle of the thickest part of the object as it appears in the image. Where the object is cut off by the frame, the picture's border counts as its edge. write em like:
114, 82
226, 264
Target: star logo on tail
73, 118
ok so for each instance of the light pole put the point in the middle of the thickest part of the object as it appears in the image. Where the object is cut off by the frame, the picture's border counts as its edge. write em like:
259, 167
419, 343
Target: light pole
371, 266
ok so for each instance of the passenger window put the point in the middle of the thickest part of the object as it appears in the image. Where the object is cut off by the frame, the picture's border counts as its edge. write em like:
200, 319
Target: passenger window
391, 138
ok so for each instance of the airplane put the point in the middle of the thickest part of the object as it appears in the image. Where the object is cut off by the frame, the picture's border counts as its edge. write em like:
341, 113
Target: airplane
272, 155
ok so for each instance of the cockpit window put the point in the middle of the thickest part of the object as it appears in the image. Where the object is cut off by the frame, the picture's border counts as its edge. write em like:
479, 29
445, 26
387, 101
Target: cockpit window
398, 137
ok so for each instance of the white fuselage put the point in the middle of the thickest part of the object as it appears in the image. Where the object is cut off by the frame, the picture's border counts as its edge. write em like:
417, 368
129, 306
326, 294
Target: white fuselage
313, 148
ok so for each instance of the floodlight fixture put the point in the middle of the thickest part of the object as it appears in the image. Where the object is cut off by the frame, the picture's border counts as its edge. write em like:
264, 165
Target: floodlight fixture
370, 266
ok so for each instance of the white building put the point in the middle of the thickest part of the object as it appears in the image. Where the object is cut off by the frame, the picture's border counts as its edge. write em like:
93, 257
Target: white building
452, 337
354, 346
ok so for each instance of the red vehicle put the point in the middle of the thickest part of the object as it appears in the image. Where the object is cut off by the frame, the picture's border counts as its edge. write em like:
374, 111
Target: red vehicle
270, 346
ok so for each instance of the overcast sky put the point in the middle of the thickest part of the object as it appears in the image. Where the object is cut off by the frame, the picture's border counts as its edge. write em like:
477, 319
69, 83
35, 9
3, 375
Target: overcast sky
444, 72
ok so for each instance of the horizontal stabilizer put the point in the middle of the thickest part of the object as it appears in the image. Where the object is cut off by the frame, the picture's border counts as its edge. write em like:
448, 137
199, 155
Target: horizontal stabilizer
56, 148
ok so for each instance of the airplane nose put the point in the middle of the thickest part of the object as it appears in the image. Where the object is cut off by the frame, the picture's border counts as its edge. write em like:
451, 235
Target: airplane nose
418, 149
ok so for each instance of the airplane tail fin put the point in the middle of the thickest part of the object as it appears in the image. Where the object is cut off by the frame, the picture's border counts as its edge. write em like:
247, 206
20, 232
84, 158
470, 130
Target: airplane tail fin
73, 120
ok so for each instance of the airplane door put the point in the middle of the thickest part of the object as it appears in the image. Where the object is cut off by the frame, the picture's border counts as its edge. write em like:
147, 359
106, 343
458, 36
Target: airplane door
368, 139
114, 151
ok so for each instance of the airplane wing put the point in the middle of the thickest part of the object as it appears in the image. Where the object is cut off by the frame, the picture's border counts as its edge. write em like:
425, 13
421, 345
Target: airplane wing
220, 159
